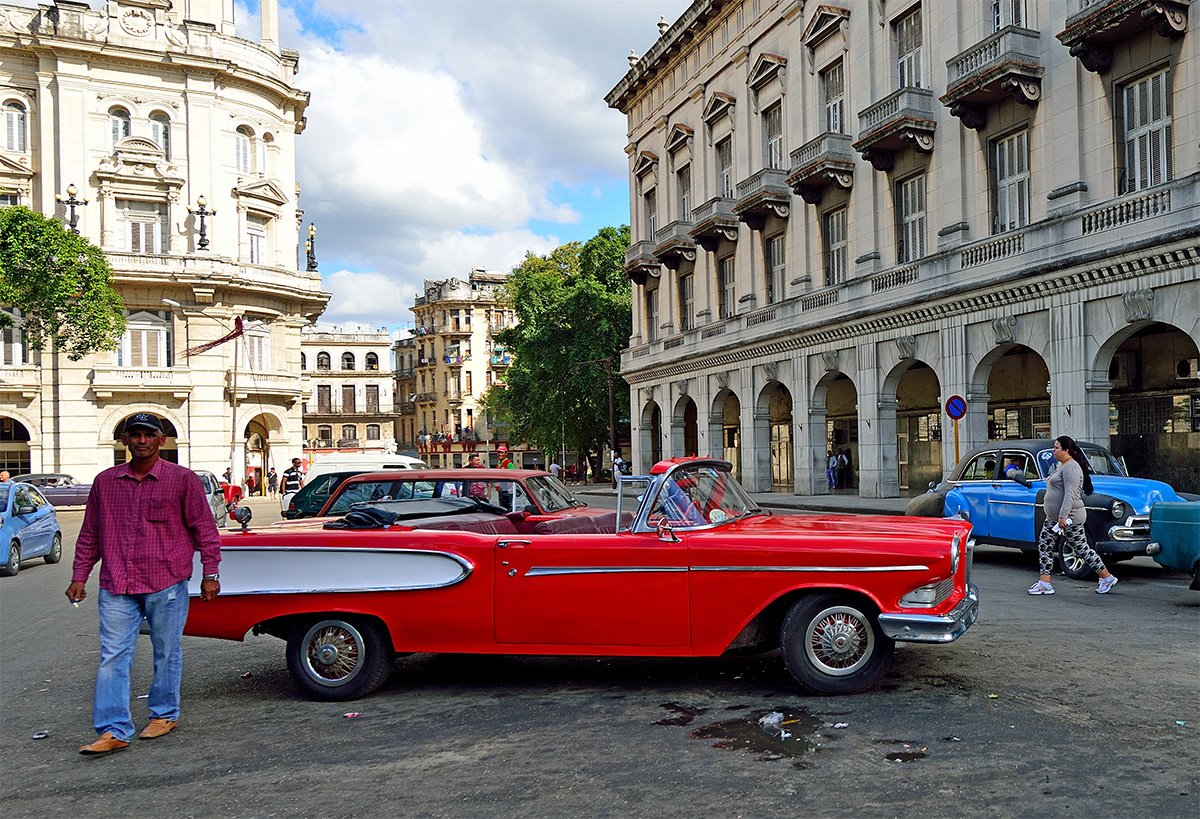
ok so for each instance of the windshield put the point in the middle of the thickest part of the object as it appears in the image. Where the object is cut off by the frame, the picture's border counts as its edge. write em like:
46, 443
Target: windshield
3, 496
551, 494
1103, 462
699, 495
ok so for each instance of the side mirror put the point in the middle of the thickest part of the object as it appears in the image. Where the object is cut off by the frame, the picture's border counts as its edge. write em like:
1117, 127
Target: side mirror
243, 515
933, 485
24, 510
665, 533
1021, 479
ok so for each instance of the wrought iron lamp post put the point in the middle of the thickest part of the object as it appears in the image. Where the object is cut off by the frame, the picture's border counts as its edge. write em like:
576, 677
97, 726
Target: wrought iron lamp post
71, 203
310, 248
202, 211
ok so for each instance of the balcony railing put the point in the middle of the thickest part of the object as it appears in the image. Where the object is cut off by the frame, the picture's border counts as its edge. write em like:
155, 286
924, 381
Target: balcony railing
1092, 32
764, 194
902, 119
264, 384
425, 398
640, 261
1111, 228
673, 245
21, 381
1008, 63
714, 221
827, 160
110, 380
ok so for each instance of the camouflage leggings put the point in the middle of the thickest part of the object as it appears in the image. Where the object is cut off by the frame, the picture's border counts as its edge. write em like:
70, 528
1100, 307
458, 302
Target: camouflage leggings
1048, 539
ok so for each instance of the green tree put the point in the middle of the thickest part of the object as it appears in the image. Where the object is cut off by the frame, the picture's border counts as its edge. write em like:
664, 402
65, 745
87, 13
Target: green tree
574, 313
60, 282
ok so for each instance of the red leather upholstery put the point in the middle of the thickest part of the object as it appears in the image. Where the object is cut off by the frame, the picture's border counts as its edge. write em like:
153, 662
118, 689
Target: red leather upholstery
599, 523
481, 522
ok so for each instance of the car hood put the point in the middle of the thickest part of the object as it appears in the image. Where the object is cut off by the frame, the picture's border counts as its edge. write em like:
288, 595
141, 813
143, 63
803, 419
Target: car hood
1142, 493
861, 528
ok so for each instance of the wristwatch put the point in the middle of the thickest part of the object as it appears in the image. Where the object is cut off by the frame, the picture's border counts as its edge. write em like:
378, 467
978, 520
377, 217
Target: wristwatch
212, 577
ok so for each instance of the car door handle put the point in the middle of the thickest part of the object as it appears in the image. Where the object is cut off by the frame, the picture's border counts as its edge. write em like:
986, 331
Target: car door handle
511, 544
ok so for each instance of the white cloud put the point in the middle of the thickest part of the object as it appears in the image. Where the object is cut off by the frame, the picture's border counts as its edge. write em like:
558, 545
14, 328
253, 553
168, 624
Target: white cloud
370, 298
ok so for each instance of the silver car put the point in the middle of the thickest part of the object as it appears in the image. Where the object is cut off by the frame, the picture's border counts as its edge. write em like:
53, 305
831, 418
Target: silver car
216, 496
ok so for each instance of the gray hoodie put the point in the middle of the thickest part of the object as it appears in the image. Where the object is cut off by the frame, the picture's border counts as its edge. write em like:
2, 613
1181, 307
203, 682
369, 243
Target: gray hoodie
1064, 493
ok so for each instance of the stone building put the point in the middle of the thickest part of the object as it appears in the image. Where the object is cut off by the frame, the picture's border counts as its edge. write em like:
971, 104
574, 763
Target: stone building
453, 361
350, 377
180, 136
846, 213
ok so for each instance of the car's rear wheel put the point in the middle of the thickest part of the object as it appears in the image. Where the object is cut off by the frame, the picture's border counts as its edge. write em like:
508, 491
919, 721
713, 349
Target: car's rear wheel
55, 553
832, 644
1072, 562
335, 658
14, 560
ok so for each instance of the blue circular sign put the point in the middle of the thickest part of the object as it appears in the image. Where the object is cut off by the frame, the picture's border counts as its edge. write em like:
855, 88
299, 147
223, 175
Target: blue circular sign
956, 406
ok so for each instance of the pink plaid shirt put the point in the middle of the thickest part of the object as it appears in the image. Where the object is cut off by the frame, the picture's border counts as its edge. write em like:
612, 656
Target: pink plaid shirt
144, 532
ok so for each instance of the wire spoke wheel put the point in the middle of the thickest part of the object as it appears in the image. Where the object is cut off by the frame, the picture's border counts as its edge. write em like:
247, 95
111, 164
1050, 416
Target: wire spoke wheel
839, 641
339, 659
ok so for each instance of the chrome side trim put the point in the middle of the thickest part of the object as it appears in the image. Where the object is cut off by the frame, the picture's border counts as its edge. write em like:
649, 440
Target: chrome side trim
548, 571
913, 568
1010, 503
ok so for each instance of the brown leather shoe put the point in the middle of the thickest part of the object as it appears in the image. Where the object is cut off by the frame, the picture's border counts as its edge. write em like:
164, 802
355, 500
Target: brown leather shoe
106, 743
157, 728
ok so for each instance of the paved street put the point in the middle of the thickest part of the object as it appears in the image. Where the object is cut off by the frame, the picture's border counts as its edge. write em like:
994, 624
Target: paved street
1071, 705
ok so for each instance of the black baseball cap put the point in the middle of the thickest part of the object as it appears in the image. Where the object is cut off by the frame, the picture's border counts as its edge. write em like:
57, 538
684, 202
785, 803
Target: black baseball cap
144, 420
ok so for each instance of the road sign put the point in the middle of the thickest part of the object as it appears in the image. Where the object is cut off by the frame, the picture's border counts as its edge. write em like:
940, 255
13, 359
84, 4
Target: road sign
956, 406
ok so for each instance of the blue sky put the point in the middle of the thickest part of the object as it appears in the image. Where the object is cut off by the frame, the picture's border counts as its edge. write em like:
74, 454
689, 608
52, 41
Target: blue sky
445, 135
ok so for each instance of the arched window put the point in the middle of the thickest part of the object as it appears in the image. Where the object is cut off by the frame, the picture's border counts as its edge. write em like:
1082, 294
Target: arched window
16, 127
347, 361
349, 432
372, 432
160, 132
119, 123
243, 142
303, 361
372, 361
323, 361
325, 434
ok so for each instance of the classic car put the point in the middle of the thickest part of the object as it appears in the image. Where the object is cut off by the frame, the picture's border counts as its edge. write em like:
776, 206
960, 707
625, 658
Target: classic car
28, 527
686, 566
999, 487
1175, 538
216, 496
58, 488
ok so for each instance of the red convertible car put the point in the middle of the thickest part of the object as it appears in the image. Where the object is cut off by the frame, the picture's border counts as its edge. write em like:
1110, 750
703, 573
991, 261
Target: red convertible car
688, 565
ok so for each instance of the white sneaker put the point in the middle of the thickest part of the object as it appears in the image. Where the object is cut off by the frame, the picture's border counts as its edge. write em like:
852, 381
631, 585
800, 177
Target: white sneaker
1106, 583
1041, 587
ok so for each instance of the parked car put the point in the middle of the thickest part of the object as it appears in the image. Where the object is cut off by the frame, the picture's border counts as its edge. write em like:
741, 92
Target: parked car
233, 495
58, 488
659, 576
1175, 538
216, 496
28, 527
1004, 505
312, 496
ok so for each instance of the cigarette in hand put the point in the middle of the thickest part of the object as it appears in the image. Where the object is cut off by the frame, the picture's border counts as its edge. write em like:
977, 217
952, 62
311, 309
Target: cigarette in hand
75, 603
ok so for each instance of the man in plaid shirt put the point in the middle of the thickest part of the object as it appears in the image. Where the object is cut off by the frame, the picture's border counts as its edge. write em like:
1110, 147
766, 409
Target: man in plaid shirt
143, 522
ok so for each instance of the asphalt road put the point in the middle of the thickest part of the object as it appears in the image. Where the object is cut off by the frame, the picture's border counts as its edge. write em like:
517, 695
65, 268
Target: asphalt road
1071, 705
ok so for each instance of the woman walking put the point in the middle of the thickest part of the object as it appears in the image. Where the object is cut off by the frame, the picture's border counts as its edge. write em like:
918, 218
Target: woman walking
1065, 514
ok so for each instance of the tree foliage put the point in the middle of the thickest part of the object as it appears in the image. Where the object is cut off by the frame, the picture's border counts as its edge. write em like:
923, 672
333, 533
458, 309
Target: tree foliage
573, 308
60, 282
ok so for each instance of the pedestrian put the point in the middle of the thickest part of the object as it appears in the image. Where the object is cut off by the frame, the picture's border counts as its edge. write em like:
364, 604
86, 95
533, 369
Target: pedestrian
845, 474
227, 476
4, 476
251, 484
273, 482
555, 468
1065, 516
293, 481
476, 489
143, 521
831, 463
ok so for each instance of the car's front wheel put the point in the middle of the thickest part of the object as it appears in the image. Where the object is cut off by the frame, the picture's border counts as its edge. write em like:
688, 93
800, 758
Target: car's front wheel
334, 658
14, 560
832, 644
1072, 562
55, 553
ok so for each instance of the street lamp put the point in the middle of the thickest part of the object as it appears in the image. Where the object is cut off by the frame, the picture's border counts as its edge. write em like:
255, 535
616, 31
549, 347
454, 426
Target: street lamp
201, 211
310, 248
70, 202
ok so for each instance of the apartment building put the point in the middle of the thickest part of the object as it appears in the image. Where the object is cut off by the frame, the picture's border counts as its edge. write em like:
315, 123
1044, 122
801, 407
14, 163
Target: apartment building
169, 142
350, 376
846, 213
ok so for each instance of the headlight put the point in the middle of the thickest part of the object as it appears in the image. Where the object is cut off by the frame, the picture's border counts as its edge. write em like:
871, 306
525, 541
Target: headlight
1118, 509
928, 595
954, 555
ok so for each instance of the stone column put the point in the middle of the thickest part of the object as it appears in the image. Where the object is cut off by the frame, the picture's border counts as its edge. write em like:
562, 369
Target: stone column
175, 240
956, 380
243, 245
875, 455
1069, 373
108, 217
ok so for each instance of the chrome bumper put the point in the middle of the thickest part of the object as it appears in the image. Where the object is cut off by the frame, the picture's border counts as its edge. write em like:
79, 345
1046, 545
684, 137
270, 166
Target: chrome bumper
933, 628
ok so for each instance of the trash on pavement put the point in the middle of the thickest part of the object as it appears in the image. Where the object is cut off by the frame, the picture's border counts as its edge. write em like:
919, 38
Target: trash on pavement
41, 735
352, 714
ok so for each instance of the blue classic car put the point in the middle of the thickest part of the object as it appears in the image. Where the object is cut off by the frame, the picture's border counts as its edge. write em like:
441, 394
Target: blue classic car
999, 488
1175, 536
28, 527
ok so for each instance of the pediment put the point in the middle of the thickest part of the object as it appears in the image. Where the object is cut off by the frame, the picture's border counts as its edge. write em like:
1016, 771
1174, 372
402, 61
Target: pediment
137, 161
719, 104
766, 68
264, 190
678, 137
646, 162
11, 167
825, 21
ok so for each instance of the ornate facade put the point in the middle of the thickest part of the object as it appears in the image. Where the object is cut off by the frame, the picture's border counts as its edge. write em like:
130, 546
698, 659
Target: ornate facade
350, 402
846, 213
180, 136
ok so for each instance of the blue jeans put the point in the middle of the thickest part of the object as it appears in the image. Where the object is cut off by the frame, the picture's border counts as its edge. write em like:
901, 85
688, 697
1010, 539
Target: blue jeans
120, 618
